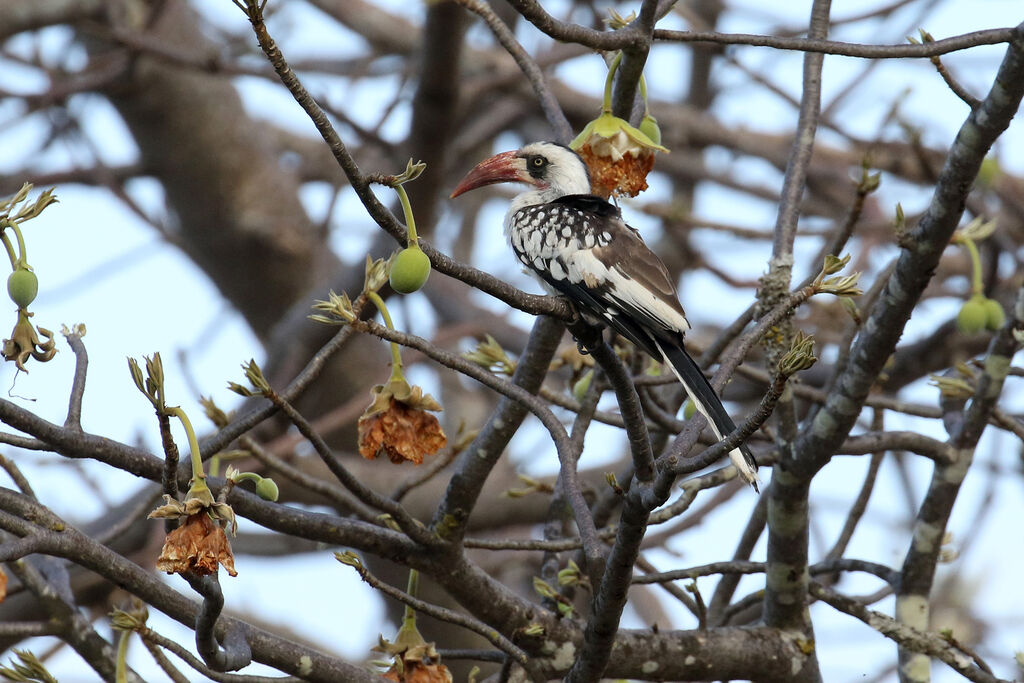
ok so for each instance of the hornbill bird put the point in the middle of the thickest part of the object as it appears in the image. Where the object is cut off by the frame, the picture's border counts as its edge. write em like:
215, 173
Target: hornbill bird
579, 246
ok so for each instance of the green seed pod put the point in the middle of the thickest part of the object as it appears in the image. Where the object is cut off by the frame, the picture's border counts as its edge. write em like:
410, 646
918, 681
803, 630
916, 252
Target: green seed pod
989, 172
689, 409
409, 270
649, 127
994, 316
22, 286
582, 385
972, 316
266, 489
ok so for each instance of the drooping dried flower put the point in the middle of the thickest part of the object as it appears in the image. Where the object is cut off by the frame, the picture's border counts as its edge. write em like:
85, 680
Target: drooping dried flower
412, 670
198, 546
397, 424
414, 659
25, 342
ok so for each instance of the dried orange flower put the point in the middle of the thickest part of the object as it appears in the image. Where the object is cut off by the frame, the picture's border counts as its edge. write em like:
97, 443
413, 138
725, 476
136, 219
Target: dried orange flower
415, 660
25, 342
619, 156
413, 670
199, 544
3, 585
397, 423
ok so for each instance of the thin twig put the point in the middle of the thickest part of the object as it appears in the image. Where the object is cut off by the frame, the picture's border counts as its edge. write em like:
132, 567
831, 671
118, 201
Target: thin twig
442, 614
552, 110
74, 338
152, 638
343, 499
407, 522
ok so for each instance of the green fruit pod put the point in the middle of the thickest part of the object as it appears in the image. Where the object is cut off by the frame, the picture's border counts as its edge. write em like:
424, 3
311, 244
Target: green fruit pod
689, 409
649, 127
582, 385
409, 270
994, 316
22, 287
972, 316
267, 489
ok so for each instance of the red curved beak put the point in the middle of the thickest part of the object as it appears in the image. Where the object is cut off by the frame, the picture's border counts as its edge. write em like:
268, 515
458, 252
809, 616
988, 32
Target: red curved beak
501, 168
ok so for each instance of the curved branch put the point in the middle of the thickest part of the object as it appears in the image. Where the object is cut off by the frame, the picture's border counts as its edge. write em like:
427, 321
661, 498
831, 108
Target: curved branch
552, 110
923, 246
906, 636
965, 41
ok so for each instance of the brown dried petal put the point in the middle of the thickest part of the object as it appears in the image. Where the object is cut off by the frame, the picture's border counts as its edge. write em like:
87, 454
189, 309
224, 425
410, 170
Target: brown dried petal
415, 671
196, 546
626, 177
381, 400
169, 510
3, 585
420, 401
402, 432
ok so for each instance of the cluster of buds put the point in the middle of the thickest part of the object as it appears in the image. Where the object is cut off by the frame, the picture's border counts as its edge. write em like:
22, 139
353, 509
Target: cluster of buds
800, 355
126, 622
22, 284
27, 668
827, 282
561, 603
489, 355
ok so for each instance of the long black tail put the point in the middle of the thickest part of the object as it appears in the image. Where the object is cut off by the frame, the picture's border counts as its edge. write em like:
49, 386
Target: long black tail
704, 398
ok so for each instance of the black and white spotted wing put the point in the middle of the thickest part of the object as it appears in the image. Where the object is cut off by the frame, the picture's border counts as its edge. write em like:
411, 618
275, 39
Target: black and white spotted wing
579, 245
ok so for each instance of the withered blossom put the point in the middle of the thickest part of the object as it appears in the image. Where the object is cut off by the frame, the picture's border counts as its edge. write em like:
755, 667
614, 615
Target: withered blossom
25, 342
397, 424
199, 544
3, 585
618, 155
414, 670
414, 660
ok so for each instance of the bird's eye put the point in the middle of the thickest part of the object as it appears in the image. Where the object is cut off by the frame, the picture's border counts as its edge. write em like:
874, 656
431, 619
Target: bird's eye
537, 166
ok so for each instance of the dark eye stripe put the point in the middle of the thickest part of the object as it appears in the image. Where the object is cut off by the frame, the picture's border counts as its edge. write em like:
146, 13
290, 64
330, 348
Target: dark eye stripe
537, 165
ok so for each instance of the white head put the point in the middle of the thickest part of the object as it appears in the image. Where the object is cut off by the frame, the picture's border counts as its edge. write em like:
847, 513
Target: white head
552, 169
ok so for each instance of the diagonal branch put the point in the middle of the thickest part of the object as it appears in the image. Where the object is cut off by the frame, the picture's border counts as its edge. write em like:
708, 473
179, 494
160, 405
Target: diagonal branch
923, 247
